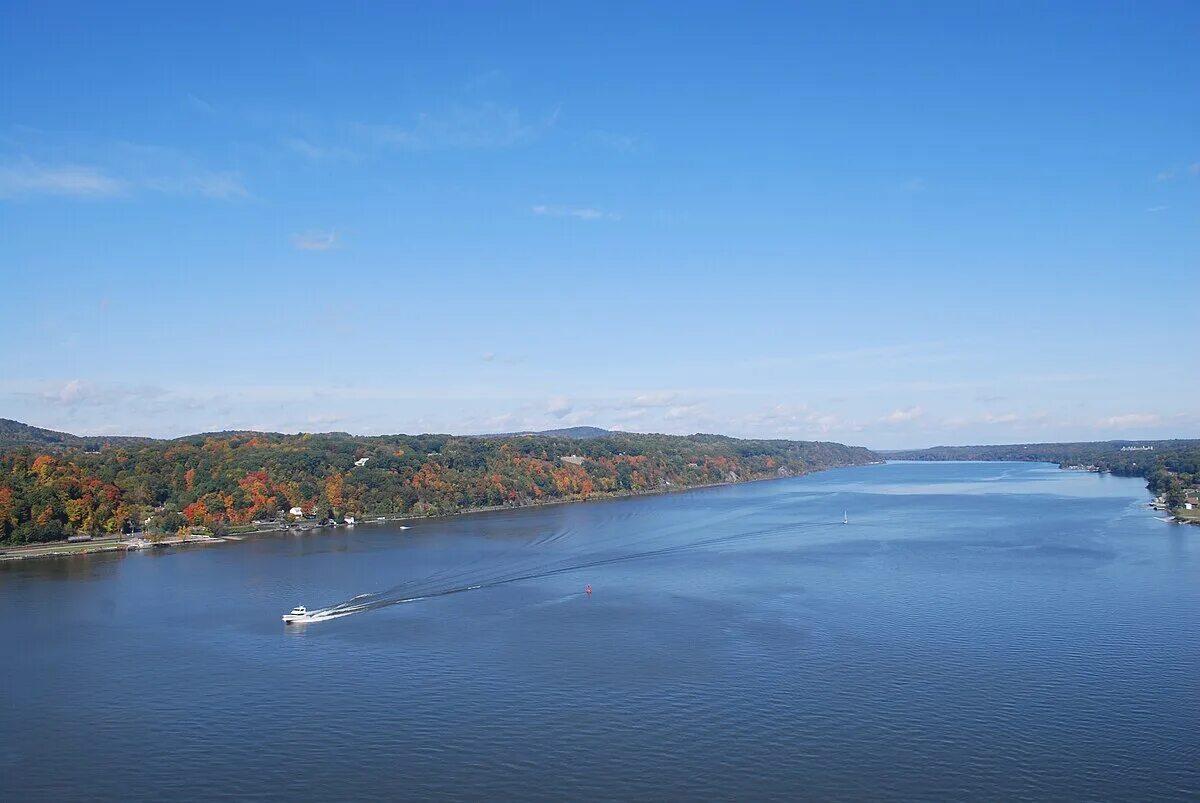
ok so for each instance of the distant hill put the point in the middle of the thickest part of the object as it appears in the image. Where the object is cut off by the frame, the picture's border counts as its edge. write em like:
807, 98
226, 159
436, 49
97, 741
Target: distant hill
14, 433
580, 433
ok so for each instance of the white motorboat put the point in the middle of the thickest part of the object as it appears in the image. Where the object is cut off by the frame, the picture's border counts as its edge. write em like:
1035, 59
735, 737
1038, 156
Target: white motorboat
298, 615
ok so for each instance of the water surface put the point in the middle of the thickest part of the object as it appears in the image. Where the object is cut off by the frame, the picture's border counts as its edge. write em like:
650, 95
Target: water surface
988, 630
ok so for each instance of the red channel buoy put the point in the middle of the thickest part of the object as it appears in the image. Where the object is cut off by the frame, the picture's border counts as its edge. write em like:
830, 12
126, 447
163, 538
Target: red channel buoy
589, 589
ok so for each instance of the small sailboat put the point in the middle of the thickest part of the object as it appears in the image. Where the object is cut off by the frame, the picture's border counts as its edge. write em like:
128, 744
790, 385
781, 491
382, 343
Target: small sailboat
845, 517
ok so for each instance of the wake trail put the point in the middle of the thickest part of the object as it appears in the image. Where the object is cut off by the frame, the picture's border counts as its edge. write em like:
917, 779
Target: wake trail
446, 583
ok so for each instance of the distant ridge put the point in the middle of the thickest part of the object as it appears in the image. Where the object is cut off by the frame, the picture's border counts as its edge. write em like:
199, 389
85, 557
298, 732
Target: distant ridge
580, 433
1056, 452
15, 433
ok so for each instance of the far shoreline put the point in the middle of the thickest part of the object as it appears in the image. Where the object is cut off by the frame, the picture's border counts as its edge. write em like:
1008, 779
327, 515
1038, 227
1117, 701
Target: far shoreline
110, 542
114, 543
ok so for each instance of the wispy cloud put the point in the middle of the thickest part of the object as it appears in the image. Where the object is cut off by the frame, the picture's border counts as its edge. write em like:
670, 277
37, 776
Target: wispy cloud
579, 213
680, 412
901, 416
319, 153
477, 125
485, 82
224, 185
622, 143
127, 170
28, 179
789, 420
315, 240
198, 103
1158, 209
500, 358
656, 399
1008, 419
1129, 420
1174, 172
76, 393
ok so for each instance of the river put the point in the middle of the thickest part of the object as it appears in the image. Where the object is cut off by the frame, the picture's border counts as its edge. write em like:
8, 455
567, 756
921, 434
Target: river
976, 630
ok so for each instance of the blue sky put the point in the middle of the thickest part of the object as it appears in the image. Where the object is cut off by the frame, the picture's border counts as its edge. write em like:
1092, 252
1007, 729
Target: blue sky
889, 224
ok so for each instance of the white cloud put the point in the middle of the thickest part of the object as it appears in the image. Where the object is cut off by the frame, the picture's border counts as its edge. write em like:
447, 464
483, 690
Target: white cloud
580, 213
1129, 420
900, 416
660, 399
27, 179
71, 392
681, 411
315, 240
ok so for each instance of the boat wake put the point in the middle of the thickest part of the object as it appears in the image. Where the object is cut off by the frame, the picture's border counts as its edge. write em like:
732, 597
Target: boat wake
458, 580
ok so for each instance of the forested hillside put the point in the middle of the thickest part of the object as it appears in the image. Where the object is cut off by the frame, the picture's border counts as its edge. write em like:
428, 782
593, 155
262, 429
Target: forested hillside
14, 433
234, 478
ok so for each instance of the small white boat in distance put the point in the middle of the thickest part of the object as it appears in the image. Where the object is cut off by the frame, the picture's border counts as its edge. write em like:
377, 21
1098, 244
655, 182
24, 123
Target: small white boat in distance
845, 517
298, 614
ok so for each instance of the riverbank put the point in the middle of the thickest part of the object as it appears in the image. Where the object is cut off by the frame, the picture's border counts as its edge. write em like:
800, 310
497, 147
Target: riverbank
1176, 516
114, 543
59, 549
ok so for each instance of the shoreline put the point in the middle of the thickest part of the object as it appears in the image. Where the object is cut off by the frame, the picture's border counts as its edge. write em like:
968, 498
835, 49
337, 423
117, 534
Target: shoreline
111, 543
116, 543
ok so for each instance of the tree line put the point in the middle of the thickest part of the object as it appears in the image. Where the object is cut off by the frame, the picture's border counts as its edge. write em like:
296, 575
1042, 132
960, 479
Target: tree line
226, 479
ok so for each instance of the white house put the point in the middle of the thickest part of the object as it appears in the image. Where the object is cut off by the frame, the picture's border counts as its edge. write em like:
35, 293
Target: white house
362, 461
296, 511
